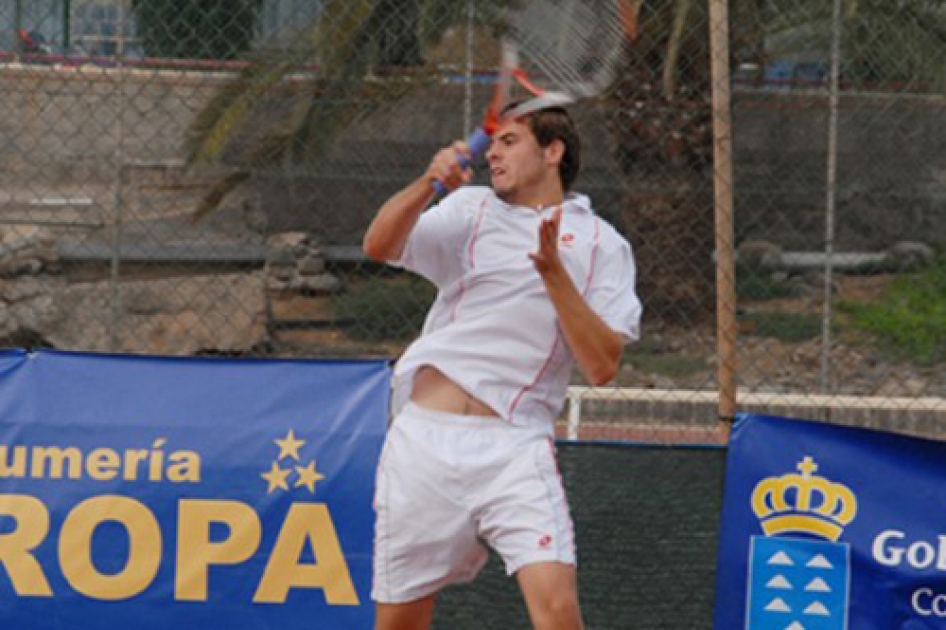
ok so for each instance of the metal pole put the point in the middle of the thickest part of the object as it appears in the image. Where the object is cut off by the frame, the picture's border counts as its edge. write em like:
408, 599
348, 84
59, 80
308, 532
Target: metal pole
121, 31
66, 26
114, 338
833, 106
468, 87
17, 25
118, 218
723, 189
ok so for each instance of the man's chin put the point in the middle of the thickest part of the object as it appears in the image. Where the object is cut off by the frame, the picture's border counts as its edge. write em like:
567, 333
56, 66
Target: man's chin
505, 197
503, 192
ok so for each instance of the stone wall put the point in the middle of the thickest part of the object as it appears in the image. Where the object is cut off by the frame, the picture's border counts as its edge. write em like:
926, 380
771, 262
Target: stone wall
68, 129
891, 169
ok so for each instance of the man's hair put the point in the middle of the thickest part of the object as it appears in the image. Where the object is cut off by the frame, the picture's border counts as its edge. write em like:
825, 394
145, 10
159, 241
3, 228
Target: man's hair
554, 123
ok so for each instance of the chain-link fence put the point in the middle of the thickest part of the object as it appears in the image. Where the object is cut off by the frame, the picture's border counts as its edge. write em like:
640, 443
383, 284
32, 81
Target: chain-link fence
195, 177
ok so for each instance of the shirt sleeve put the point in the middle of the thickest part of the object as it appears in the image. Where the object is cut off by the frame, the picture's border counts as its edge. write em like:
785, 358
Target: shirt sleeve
435, 246
612, 294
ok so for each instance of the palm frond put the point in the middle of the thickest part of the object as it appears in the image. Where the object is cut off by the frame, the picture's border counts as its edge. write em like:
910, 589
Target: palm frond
215, 126
287, 107
211, 201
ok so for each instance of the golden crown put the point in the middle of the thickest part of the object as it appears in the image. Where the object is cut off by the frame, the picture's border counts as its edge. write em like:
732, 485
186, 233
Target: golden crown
803, 503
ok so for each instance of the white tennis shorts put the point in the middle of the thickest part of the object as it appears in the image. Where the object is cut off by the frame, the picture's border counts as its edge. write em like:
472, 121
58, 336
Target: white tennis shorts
446, 485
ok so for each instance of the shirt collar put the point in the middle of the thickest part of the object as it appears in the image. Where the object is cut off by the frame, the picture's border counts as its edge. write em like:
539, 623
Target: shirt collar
578, 202
575, 202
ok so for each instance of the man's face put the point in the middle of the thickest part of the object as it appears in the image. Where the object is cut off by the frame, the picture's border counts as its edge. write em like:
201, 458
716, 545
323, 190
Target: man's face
518, 166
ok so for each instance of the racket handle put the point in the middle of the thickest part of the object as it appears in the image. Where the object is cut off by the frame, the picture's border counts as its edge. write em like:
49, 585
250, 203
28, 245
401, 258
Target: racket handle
477, 143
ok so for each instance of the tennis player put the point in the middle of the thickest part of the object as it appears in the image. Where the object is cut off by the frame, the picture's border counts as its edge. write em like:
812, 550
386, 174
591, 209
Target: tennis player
530, 282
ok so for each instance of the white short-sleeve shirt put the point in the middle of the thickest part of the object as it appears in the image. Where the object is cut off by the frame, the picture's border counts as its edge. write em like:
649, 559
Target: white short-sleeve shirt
492, 328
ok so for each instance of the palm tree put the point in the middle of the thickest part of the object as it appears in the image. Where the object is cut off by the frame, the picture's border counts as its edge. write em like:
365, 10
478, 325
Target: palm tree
286, 108
661, 123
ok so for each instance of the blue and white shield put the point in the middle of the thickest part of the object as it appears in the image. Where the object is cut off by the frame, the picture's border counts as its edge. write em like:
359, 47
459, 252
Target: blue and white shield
798, 584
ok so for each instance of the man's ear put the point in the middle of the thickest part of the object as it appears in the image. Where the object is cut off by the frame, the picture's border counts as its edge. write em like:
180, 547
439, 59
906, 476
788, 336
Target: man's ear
555, 152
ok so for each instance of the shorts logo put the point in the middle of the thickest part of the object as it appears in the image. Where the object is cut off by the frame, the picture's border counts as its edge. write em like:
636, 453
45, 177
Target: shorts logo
545, 542
567, 239
800, 582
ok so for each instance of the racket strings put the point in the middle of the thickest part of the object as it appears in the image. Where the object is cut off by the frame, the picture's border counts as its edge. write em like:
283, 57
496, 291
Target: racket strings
576, 46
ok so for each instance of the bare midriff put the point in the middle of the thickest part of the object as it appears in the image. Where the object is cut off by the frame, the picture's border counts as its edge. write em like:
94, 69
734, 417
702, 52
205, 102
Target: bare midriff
434, 390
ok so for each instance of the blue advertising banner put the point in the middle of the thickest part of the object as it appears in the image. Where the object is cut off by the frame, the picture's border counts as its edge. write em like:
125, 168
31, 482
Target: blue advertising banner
827, 527
157, 493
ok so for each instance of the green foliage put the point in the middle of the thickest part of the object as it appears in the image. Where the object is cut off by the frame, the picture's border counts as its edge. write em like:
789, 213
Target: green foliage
884, 42
910, 319
753, 283
672, 365
653, 357
896, 42
197, 29
385, 309
786, 327
258, 120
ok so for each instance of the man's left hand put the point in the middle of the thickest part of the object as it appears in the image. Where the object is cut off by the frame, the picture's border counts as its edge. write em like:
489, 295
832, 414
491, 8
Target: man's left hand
547, 259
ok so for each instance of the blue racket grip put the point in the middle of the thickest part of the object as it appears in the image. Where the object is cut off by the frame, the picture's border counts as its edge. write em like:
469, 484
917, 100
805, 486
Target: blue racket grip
477, 143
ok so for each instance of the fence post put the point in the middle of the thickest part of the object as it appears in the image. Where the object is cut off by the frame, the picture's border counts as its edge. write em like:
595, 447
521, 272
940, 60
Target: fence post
722, 180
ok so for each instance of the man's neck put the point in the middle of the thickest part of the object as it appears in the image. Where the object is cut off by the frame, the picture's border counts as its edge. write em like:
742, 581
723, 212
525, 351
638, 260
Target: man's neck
536, 201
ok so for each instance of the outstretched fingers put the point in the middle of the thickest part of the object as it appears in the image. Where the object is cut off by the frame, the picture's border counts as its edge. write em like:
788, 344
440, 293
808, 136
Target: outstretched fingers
547, 254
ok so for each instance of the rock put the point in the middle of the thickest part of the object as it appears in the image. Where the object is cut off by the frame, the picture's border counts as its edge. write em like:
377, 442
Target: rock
295, 263
27, 251
142, 299
759, 254
14, 267
280, 258
311, 265
281, 273
290, 241
320, 284
910, 255
22, 290
178, 316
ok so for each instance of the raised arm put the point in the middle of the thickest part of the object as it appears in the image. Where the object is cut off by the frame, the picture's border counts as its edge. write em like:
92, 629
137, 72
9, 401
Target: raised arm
388, 232
596, 346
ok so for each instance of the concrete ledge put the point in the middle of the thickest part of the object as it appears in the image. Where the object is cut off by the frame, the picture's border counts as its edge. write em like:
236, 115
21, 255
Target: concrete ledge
652, 411
202, 253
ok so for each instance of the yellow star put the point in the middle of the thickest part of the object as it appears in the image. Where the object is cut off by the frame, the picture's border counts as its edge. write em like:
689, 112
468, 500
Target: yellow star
308, 476
276, 478
289, 446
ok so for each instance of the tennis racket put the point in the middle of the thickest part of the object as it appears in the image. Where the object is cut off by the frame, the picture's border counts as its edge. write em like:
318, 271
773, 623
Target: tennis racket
558, 51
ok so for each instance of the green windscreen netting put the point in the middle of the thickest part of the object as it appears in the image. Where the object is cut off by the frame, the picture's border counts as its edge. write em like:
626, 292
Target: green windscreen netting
647, 520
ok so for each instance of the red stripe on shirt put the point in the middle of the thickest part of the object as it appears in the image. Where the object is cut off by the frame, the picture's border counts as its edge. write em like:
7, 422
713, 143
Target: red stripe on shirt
538, 377
594, 258
471, 253
548, 359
